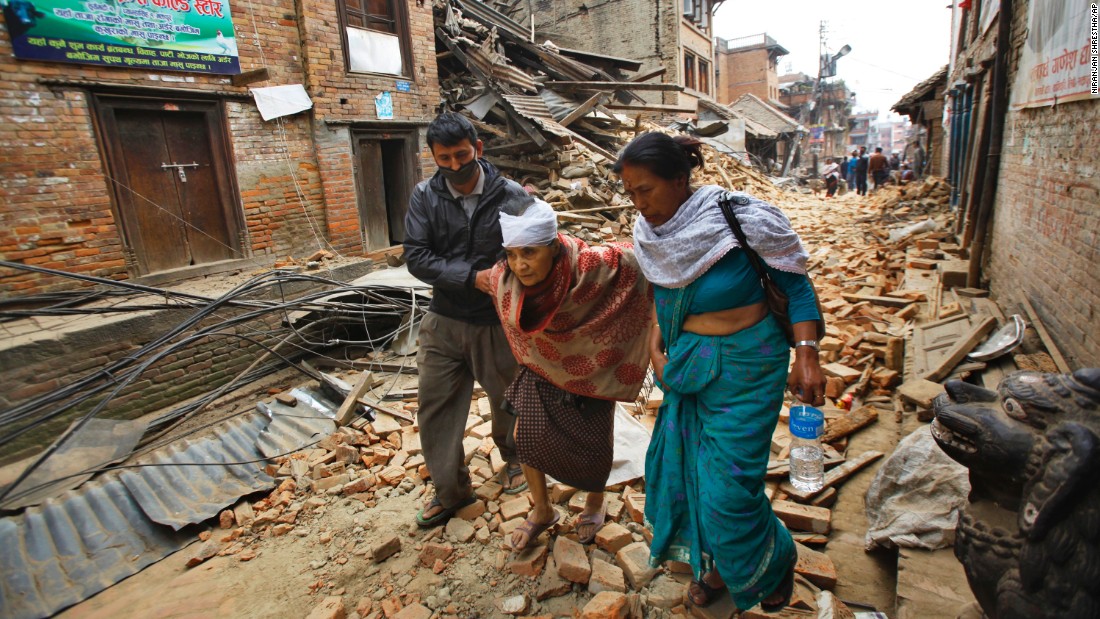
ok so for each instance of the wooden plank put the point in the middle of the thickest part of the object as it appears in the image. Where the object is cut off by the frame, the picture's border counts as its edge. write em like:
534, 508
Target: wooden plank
960, 349
350, 404
834, 476
585, 108
1048, 341
675, 109
803, 517
649, 75
850, 422
877, 300
393, 412
512, 164
615, 86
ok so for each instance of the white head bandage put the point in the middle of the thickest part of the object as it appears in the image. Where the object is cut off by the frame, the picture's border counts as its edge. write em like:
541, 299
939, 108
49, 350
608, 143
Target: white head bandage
538, 225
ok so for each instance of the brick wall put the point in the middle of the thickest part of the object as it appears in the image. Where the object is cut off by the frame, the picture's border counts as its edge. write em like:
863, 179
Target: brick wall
341, 98
744, 72
56, 200
1045, 230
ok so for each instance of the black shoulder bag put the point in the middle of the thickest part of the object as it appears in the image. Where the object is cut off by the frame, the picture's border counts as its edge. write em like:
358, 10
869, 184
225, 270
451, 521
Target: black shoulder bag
774, 297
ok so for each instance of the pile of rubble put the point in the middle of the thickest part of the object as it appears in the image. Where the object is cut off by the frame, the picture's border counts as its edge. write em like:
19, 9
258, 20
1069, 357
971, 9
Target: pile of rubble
553, 122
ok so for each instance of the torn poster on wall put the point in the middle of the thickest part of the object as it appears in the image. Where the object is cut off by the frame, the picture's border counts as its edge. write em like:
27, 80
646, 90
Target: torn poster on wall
165, 35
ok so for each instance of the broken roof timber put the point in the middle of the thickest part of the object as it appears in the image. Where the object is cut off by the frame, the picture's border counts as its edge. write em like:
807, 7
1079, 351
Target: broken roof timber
625, 64
653, 107
524, 124
614, 86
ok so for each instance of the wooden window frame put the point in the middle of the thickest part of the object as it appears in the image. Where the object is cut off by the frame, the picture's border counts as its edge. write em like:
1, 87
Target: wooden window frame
401, 24
703, 78
689, 70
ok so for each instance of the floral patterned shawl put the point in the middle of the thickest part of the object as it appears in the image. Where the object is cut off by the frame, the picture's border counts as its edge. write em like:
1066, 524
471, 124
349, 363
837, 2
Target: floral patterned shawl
593, 341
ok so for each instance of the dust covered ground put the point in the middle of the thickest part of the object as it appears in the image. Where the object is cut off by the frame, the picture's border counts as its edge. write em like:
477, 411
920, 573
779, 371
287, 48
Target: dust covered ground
328, 548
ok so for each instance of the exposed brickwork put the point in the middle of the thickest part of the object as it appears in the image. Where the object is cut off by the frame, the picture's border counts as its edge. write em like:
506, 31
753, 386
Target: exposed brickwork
56, 199
1045, 231
746, 71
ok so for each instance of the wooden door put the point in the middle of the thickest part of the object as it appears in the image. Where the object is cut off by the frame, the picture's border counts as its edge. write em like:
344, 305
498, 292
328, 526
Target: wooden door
171, 183
374, 219
386, 176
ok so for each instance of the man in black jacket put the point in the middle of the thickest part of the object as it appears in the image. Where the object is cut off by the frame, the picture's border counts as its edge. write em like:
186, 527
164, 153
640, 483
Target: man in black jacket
452, 239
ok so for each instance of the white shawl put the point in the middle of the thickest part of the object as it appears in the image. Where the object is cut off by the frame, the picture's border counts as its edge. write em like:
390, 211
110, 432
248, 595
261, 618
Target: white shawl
675, 253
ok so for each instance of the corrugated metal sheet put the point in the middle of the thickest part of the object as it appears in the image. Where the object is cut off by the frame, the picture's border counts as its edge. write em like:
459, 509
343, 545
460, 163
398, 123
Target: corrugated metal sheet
490, 17
181, 495
500, 69
534, 108
292, 428
76, 545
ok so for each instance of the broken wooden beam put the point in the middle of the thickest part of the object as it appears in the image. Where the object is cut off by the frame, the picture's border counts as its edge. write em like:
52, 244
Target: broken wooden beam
653, 107
849, 422
1048, 341
512, 164
961, 348
350, 405
648, 75
661, 86
877, 300
834, 476
583, 109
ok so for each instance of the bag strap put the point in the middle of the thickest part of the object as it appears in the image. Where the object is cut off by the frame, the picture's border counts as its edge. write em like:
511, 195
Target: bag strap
754, 258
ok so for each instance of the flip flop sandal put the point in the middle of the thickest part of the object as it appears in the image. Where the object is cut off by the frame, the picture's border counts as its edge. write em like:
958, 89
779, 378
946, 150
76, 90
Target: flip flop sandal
509, 472
709, 593
535, 529
446, 514
784, 589
596, 519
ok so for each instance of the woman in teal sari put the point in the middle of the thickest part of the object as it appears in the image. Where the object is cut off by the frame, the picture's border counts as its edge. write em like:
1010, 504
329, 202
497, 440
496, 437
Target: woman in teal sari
722, 360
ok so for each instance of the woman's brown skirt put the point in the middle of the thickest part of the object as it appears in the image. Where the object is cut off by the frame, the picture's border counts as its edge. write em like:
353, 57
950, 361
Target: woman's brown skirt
567, 436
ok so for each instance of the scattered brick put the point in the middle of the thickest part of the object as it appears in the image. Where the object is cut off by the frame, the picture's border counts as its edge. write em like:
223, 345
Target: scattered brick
571, 560
606, 605
529, 561
471, 511
206, 551
515, 508
414, 611
330, 608
387, 548
634, 559
460, 529
606, 577
433, 551
613, 537
551, 584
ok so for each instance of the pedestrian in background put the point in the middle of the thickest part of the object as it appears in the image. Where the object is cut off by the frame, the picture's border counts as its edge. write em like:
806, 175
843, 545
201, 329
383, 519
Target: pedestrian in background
853, 161
861, 171
879, 167
832, 177
452, 240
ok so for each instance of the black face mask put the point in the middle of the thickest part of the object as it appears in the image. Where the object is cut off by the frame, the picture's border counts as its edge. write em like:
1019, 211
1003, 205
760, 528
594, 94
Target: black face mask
463, 175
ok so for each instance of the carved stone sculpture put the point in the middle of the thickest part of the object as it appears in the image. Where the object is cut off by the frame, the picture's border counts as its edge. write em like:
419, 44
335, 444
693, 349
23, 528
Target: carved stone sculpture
1029, 539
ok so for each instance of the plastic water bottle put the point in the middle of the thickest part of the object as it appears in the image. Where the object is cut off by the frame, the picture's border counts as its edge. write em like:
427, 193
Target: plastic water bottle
807, 458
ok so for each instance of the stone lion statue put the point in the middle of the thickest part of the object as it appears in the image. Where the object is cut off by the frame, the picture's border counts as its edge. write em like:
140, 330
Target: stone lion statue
1029, 539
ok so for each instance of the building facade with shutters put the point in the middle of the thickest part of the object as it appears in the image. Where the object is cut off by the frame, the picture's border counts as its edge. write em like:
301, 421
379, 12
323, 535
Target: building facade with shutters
134, 146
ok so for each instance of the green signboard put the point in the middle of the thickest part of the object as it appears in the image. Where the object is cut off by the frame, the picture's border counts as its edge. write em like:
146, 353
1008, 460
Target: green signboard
159, 35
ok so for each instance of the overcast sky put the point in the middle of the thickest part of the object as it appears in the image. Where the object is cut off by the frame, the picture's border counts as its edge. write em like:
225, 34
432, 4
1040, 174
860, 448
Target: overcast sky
895, 45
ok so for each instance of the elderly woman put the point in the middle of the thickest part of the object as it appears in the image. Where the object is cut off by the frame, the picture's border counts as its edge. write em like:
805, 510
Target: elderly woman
722, 359
578, 321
